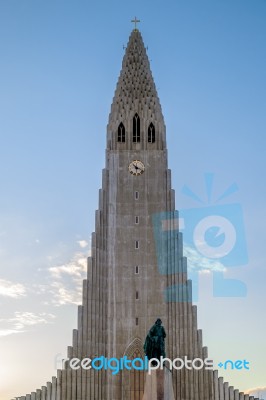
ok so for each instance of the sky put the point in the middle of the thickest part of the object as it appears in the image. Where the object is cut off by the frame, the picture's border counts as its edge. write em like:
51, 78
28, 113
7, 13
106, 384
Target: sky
60, 61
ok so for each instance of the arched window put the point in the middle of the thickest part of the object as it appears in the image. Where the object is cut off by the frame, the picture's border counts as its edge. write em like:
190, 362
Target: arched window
137, 379
134, 380
121, 133
151, 133
136, 129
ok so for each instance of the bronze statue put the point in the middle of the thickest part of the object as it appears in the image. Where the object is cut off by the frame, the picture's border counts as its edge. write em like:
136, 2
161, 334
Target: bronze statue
154, 343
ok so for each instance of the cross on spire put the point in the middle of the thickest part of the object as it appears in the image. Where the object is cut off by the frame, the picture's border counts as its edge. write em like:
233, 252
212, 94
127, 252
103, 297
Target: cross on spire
135, 21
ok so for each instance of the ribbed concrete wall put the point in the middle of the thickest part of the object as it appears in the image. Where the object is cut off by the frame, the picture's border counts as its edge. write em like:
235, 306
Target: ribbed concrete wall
72, 386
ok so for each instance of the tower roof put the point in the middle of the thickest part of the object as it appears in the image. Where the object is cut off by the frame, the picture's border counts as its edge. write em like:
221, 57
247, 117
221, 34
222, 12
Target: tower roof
136, 90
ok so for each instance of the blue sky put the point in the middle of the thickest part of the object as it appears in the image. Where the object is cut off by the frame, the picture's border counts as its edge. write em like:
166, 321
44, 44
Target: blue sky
60, 62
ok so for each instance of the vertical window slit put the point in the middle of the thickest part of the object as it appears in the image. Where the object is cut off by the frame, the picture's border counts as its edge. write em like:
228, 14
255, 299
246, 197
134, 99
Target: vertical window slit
121, 133
151, 133
136, 129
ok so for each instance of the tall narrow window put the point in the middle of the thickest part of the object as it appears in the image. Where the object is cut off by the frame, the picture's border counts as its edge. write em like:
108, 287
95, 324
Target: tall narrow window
136, 195
151, 133
137, 321
121, 133
136, 244
137, 295
136, 129
136, 269
136, 220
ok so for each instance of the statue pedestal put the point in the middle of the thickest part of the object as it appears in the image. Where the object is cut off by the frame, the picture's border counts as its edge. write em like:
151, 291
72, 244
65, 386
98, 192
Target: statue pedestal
158, 385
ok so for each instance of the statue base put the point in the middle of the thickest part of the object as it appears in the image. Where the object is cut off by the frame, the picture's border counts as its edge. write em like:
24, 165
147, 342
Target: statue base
159, 385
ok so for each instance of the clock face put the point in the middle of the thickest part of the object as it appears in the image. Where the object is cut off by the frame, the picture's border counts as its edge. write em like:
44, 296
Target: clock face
136, 167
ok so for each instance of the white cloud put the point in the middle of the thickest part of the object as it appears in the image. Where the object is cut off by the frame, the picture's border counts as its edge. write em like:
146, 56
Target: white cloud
22, 321
62, 294
10, 289
7, 332
205, 271
259, 392
73, 268
196, 262
66, 286
82, 243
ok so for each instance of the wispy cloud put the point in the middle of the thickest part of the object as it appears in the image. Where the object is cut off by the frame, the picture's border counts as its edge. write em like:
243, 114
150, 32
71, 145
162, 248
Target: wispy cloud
11, 289
66, 286
7, 332
259, 392
61, 283
74, 268
22, 321
196, 262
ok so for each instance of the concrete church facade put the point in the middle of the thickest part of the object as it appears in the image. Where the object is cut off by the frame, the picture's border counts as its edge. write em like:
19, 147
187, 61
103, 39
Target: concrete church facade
125, 290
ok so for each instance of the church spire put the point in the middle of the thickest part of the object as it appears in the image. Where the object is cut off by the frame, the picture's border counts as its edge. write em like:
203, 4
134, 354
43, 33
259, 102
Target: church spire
136, 94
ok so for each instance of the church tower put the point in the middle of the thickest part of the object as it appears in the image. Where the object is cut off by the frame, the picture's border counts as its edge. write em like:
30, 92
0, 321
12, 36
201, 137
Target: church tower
136, 272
